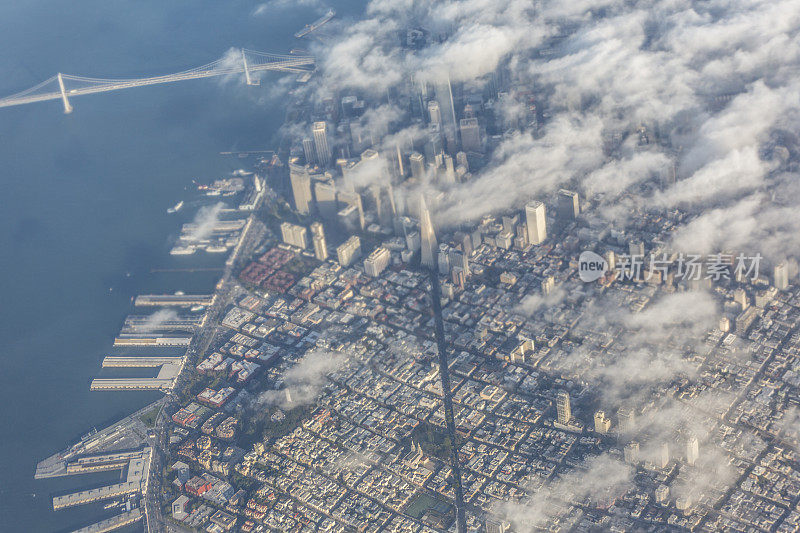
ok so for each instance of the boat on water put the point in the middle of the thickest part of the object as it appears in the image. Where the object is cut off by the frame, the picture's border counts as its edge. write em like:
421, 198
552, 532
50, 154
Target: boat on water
177, 207
308, 28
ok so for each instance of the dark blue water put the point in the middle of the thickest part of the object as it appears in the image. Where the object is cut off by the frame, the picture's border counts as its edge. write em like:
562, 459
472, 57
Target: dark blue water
84, 199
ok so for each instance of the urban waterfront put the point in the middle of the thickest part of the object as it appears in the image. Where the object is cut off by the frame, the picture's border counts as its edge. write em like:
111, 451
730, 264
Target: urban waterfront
461, 269
85, 200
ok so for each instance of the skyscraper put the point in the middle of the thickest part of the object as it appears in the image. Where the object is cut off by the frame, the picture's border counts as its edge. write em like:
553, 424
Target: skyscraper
301, 188
349, 251
318, 240
309, 152
627, 418
601, 422
536, 221
663, 455
692, 450
322, 143
780, 276
427, 236
470, 135
449, 169
631, 452
325, 196
568, 206
294, 235
444, 95
353, 200
417, 163
377, 261
435, 113
563, 408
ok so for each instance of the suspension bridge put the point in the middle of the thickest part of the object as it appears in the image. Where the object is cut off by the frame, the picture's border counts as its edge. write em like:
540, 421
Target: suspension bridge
248, 62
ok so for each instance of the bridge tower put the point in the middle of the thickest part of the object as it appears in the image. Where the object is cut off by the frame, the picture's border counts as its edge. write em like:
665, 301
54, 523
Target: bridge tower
67, 105
250, 80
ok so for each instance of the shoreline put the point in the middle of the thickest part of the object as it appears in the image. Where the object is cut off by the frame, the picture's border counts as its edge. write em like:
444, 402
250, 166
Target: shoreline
131, 432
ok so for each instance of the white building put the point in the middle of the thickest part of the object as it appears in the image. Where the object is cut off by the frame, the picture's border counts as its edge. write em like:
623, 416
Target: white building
536, 222
377, 261
294, 235
349, 251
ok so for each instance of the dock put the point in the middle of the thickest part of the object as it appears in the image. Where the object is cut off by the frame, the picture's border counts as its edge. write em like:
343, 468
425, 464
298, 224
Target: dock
174, 300
92, 443
152, 341
317, 24
137, 324
115, 522
136, 481
120, 384
114, 361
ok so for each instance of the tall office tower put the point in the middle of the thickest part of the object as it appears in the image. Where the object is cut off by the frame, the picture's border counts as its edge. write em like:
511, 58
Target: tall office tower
354, 207
536, 221
668, 174
692, 450
444, 95
458, 277
294, 235
413, 241
631, 452
548, 284
563, 408
568, 206
322, 143
462, 161
459, 259
663, 455
359, 136
521, 236
447, 399
349, 251
443, 259
308, 151
349, 106
318, 240
427, 236
377, 261
383, 197
301, 188
325, 196
627, 418
510, 223
601, 422
636, 248
449, 169
470, 135
780, 276
740, 297
435, 113
417, 163
434, 146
